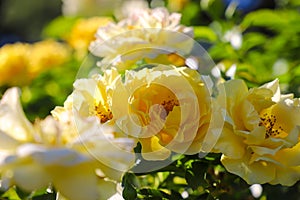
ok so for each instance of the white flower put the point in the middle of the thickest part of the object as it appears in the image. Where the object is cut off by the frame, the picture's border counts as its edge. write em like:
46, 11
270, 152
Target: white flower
234, 36
130, 6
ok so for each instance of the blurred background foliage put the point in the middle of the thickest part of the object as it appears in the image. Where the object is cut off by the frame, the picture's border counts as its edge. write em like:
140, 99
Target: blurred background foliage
256, 40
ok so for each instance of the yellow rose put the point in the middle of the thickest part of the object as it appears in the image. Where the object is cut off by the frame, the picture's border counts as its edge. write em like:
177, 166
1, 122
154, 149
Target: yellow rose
166, 108
14, 64
91, 97
85, 111
45, 55
21, 62
261, 134
33, 156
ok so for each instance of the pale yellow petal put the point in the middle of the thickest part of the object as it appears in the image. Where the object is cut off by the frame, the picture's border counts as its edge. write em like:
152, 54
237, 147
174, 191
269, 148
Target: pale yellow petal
292, 138
46, 156
230, 144
235, 91
85, 96
257, 172
265, 150
260, 98
119, 97
274, 87
12, 118
289, 156
215, 123
49, 131
98, 143
7, 143
287, 176
152, 150
106, 189
76, 182
30, 176
287, 114
109, 171
111, 153
268, 158
256, 136
250, 116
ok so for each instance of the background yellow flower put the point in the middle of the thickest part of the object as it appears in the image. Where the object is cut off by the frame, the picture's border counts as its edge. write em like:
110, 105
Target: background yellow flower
83, 33
20, 63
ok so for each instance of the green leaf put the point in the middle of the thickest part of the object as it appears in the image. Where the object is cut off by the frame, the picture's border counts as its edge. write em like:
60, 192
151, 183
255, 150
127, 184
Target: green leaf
204, 32
214, 8
278, 20
49, 196
189, 13
44, 194
149, 192
294, 2
11, 194
252, 39
195, 176
175, 195
48, 90
21, 193
296, 71
2, 192
129, 192
138, 148
59, 27
267, 18
223, 51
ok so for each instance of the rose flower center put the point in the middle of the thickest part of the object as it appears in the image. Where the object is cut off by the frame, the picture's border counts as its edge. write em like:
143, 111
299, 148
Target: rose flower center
273, 128
103, 113
169, 104
154, 94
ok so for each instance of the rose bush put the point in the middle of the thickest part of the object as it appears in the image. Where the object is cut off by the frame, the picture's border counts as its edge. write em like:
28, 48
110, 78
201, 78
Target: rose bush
150, 116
